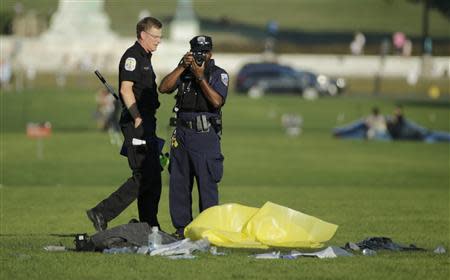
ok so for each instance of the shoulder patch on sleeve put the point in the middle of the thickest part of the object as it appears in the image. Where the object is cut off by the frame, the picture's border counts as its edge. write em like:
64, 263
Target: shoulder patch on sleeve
224, 78
130, 64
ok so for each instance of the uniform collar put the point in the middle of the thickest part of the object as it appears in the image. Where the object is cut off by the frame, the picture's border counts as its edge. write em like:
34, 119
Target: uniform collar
142, 50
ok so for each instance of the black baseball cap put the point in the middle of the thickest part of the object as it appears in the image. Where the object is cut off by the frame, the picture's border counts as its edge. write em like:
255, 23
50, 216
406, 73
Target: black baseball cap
201, 43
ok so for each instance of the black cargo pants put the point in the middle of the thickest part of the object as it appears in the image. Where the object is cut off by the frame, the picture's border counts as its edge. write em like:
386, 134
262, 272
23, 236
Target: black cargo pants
145, 182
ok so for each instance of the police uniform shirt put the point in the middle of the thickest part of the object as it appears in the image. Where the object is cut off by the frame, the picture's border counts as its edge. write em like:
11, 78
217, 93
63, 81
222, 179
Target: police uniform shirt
217, 79
135, 66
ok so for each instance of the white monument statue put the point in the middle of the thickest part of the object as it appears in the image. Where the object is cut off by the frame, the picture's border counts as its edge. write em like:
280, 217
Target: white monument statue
79, 20
79, 39
185, 25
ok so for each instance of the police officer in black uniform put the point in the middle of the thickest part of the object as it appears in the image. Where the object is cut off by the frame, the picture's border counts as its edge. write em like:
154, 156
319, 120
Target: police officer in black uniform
195, 145
138, 123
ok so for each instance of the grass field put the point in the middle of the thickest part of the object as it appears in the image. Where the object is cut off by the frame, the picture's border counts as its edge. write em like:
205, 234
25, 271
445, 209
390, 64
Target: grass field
394, 189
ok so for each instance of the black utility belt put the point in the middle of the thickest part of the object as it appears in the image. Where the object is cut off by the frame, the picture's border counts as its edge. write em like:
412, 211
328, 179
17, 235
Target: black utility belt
201, 123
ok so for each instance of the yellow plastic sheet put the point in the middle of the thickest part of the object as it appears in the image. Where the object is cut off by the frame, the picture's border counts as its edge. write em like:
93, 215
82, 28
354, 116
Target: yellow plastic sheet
223, 226
239, 226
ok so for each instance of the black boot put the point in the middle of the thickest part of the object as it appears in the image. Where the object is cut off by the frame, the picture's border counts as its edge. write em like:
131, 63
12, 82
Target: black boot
97, 220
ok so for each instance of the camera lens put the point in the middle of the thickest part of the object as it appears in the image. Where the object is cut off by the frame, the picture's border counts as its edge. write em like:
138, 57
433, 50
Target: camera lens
199, 57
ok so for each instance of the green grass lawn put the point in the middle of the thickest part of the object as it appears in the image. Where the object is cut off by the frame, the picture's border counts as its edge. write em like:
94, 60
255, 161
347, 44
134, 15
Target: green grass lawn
394, 189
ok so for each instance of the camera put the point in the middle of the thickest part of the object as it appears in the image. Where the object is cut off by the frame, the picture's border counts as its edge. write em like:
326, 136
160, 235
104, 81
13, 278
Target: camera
199, 57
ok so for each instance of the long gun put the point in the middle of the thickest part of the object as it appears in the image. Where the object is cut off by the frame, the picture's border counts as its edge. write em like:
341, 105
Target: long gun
105, 83
163, 157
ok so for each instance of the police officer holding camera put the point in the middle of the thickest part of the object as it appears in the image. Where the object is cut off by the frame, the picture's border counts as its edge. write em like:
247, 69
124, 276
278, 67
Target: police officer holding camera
195, 145
138, 123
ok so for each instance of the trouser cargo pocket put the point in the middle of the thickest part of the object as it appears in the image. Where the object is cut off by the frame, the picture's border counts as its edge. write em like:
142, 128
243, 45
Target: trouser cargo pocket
136, 156
215, 167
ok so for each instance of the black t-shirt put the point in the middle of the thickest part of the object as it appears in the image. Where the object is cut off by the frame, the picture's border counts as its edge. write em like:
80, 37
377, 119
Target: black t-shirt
135, 66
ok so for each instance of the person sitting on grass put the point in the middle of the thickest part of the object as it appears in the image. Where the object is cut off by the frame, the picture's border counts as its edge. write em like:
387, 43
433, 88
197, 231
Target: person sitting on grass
376, 125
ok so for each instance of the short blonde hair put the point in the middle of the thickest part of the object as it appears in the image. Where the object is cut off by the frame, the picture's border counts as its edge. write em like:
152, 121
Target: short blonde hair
146, 24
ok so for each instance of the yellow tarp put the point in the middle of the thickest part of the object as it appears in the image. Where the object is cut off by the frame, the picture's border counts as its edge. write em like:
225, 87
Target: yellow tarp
239, 226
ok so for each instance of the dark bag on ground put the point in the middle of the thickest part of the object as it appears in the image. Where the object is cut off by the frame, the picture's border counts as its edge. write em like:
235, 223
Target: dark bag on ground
128, 235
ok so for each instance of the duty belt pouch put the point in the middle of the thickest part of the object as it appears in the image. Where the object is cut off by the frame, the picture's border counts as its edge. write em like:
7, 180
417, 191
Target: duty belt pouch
216, 123
202, 124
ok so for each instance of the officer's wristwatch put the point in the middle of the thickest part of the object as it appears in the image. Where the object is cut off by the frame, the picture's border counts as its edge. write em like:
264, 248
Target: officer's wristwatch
201, 78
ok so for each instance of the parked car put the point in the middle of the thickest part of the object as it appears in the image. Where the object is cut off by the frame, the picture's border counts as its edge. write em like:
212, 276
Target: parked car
277, 78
